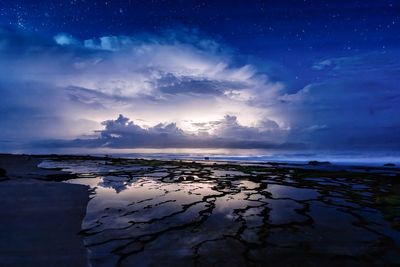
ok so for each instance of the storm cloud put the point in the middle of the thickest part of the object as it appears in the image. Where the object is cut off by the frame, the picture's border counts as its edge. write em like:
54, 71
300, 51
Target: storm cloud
182, 89
124, 133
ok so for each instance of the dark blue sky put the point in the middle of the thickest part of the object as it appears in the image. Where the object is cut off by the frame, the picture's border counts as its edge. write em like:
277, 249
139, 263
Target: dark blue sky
292, 32
314, 73
255, 26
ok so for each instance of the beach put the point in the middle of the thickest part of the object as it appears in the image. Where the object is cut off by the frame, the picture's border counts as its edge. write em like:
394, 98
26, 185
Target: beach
157, 212
40, 219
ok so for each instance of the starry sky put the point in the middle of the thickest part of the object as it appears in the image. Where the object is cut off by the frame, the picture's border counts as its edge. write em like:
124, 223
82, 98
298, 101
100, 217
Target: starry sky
242, 74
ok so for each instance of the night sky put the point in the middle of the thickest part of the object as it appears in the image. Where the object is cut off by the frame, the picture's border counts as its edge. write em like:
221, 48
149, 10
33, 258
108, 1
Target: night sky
249, 74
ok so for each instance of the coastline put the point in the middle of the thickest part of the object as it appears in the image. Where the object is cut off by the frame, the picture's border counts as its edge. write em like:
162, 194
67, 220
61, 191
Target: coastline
45, 221
41, 220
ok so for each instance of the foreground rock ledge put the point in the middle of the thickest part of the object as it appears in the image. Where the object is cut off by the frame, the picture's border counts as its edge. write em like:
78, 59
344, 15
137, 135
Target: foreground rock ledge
40, 220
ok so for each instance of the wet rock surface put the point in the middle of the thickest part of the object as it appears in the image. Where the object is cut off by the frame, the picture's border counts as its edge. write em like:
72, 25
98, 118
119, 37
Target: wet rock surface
40, 219
3, 172
164, 213
40, 224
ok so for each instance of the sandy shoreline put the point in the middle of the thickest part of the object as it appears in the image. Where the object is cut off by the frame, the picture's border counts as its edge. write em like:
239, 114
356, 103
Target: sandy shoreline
40, 220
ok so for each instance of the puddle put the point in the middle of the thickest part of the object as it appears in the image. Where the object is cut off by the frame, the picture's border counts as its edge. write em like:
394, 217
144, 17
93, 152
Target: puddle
284, 191
198, 215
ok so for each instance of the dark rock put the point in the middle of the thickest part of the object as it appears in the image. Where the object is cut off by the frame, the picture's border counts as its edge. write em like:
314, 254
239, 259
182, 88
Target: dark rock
317, 163
190, 178
389, 165
181, 178
61, 176
206, 158
3, 172
396, 223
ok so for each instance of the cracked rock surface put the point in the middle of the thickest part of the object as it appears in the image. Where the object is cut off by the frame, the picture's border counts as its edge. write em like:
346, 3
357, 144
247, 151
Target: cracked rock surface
183, 213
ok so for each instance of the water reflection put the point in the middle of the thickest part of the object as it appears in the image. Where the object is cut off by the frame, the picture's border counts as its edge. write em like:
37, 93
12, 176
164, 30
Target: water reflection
193, 214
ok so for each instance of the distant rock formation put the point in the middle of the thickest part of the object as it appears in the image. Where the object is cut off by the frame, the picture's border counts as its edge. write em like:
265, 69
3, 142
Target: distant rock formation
317, 163
389, 165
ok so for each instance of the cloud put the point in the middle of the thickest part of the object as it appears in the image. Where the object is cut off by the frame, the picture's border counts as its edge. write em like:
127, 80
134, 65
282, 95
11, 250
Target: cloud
170, 84
124, 133
377, 66
31, 111
355, 107
227, 129
65, 39
324, 65
154, 77
120, 127
267, 130
204, 93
